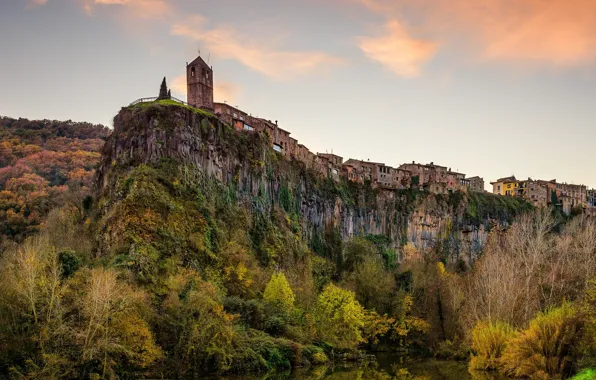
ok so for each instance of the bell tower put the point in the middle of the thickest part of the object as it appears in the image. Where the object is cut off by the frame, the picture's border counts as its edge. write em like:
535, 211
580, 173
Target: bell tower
199, 83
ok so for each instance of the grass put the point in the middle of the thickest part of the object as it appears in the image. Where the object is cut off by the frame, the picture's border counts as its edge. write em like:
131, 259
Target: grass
587, 374
169, 103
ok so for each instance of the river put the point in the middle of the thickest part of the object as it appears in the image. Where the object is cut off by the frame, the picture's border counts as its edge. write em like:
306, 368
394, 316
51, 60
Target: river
387, 367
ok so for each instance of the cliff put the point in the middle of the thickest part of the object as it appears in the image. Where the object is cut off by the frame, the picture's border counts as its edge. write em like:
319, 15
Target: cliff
188, 152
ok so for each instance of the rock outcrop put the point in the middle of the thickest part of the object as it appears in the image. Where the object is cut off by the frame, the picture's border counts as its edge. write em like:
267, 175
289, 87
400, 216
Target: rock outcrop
263, 181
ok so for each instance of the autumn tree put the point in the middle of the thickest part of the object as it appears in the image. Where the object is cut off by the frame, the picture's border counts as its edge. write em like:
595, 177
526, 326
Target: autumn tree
278, 292
340, 317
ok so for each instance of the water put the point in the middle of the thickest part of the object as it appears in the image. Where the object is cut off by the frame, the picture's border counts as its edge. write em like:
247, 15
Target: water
387, 367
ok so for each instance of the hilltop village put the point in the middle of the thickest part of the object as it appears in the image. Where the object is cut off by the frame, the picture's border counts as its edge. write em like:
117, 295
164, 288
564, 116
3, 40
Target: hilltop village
431, 177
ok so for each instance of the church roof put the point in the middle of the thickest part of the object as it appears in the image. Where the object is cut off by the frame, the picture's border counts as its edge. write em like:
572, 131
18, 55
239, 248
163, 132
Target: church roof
199, 61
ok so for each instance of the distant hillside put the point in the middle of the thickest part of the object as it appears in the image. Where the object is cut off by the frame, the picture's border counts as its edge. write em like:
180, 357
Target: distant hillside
43, 164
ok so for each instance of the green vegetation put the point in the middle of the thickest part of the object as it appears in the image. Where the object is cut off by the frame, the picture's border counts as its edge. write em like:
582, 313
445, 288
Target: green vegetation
163, 103
168, 272
482, 207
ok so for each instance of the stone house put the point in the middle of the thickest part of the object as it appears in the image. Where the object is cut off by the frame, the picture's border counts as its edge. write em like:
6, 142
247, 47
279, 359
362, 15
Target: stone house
333, 163
591, 197
476, 184
233, 116
535, 192
360, 171
402, 178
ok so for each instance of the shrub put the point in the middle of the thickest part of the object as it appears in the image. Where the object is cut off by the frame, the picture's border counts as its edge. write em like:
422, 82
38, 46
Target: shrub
543, 350
489, 341
279, 292
315, 355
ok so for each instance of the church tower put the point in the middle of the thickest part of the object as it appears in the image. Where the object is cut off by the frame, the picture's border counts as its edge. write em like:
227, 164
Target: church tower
199, 83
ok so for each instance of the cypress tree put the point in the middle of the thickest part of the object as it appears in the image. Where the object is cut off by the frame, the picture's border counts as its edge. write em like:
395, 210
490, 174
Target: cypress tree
169, 94
163, 90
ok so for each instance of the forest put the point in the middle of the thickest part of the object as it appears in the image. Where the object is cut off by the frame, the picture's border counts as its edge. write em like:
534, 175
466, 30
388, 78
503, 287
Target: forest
173, 278
43, 164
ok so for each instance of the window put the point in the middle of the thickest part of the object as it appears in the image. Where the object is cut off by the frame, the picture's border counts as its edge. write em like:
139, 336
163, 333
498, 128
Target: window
192, 72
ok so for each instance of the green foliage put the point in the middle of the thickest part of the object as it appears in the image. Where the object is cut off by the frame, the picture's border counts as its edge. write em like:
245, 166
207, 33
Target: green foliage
587, 374
356, 251
70, 262
163, 90
483, 206
489, 342
278, 292
340, 317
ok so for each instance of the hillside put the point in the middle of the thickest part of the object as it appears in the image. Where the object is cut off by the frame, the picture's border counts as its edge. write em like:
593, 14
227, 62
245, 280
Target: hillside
197, 152
202, 251
43, 164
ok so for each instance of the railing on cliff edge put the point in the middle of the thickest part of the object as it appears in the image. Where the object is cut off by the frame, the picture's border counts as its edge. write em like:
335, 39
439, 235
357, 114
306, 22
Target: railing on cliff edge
152, 99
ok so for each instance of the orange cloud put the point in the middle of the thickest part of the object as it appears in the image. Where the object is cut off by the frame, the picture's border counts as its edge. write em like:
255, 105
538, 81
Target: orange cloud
261, 56
558, 32
223, 91
397, 50
147, 9
36, 3
178, 86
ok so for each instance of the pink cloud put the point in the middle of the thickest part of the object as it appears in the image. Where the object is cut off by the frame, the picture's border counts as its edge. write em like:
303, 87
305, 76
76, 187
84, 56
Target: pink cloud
36, 3
223, 91
225, 42
397, 50
144, 9
556, 32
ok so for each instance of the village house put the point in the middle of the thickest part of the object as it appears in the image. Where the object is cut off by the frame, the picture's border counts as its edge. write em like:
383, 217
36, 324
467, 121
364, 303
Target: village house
402, 178
476, 184
544, 193
233, 116
591, 198
360, 171
333, 164
534, 191
505, 186
435, 178
574, 195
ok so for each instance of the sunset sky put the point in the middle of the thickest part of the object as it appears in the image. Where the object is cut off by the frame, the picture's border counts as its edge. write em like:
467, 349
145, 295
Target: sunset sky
486, 87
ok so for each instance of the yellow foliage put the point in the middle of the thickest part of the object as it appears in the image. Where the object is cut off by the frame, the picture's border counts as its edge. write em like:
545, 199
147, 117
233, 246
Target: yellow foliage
489, 341
376, 326
136, 340
542, 351
279, 292
340, 317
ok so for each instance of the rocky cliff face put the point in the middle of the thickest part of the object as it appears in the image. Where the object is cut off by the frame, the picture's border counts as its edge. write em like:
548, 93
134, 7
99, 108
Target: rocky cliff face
263, 181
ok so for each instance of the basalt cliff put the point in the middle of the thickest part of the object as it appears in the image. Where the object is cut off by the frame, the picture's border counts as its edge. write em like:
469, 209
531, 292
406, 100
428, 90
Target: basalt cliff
162, 151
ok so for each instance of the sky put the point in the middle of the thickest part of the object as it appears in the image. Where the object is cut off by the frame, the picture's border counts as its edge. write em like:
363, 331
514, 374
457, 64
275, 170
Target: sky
486, 87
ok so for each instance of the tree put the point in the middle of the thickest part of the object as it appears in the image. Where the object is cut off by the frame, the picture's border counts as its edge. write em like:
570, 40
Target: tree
373, 285
163, 90
340, 317
279, 292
